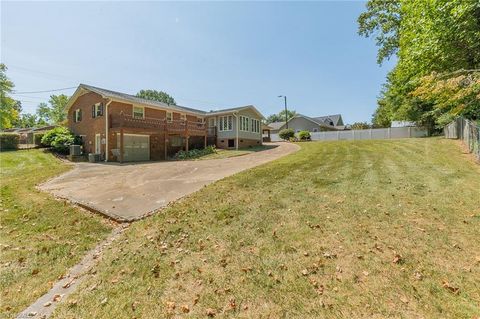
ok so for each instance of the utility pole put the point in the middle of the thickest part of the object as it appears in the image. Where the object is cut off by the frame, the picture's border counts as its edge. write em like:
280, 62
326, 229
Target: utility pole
286, 112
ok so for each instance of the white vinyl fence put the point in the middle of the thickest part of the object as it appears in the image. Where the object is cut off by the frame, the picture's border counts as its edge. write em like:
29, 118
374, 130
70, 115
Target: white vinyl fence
369, 134
467, 131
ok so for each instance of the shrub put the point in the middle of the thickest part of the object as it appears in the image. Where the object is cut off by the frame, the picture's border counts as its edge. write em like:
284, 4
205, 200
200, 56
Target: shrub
9, 141
60, 139
304, 135
286, 134
195, 153
37, 139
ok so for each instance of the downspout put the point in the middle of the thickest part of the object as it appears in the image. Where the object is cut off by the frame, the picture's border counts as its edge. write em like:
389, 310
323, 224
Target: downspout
236, 130
106, 130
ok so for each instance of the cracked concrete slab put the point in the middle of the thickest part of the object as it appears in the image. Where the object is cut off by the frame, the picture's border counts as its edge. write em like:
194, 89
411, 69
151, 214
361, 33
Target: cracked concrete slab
127, 192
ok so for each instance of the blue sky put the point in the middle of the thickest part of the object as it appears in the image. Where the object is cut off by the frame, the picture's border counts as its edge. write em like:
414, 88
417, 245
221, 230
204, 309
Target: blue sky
207, 55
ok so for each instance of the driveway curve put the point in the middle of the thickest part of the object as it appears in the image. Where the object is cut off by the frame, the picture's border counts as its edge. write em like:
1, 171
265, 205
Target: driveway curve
132, 191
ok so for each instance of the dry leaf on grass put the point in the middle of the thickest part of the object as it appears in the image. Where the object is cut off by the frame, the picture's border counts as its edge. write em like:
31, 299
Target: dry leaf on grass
210, 312
450, 287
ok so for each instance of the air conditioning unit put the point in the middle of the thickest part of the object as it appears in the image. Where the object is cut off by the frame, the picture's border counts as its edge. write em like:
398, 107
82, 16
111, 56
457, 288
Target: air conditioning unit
75, 150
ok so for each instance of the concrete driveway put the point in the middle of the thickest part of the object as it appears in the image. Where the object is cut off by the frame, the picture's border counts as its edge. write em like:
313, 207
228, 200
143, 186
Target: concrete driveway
131, 191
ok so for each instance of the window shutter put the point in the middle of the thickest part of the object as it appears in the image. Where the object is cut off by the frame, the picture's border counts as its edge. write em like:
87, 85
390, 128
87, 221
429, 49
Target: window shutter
93, 111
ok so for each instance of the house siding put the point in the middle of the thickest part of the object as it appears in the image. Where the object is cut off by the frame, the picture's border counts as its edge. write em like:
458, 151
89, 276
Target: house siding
245, 138
302, 124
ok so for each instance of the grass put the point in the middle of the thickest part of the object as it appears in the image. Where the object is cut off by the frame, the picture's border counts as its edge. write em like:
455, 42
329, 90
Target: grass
345, 229
226, 153
40, 237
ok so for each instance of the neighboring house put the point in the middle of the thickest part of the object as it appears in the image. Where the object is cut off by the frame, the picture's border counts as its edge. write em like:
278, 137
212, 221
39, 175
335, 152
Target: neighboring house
123, 127
312, 124
26, 135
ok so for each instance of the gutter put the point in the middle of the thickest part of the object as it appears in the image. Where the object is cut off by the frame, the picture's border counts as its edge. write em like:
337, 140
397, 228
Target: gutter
236, 129
106, 129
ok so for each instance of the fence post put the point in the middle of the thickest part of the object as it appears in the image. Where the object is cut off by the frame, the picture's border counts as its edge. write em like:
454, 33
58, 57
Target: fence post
389, 132
409, 131
370, 133
353, 133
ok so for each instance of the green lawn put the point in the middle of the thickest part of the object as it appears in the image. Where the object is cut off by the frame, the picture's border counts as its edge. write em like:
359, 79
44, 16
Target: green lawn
346, 229
40, 237
225, 153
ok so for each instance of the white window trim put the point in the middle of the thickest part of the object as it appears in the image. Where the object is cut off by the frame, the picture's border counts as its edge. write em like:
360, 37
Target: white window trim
183, 116
139, 107
97, 108
77, 112
171, 116
225, 119
255, 125
244, 123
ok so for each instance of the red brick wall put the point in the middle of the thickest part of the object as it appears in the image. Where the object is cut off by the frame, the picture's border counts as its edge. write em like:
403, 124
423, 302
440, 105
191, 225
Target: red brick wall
88, 126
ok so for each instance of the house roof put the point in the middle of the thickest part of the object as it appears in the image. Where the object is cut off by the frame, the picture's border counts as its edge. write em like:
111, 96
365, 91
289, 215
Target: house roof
123, 97
326, 119
235, 109
321, 121
276, 125
130, 99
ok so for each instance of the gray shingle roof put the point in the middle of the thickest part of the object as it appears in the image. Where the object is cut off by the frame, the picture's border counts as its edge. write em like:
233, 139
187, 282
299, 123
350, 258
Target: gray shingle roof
276, 125
326, 119
136, 99
320, 120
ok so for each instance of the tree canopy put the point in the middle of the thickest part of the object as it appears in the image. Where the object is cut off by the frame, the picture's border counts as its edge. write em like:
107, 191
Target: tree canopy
280, 117
9, 108
437, 44
54, 112
155, 95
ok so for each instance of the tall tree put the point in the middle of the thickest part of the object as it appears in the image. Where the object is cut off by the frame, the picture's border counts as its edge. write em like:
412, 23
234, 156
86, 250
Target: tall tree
155, 95
54, 112
280, 117
9, 108
428, 38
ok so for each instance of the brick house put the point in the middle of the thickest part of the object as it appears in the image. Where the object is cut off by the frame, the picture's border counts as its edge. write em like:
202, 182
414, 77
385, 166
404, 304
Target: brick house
123, 127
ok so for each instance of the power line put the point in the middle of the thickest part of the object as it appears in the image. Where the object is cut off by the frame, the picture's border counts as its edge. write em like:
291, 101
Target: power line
45, 91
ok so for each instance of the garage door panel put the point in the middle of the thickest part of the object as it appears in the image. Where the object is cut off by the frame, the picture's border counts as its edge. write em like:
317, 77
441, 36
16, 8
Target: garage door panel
136, 148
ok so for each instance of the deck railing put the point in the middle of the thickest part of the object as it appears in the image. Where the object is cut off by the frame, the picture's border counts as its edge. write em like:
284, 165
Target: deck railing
172, 126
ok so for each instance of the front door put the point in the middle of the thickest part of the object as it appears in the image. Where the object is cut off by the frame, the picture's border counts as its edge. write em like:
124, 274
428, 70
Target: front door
98, 144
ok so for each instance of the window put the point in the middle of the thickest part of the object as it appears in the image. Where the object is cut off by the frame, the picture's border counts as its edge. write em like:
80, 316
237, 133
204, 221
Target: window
255, 126
183, 117
77, 115
97, 110
169, 116
244, 123
200, 120
226, 123
138, 112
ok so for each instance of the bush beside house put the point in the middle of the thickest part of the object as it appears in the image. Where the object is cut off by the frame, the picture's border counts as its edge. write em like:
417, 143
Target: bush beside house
287, 134
9, 141
304, 135
195, 153
60, 139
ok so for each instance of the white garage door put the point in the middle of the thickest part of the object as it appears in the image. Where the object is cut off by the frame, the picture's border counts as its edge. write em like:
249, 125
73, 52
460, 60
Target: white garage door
136, 147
